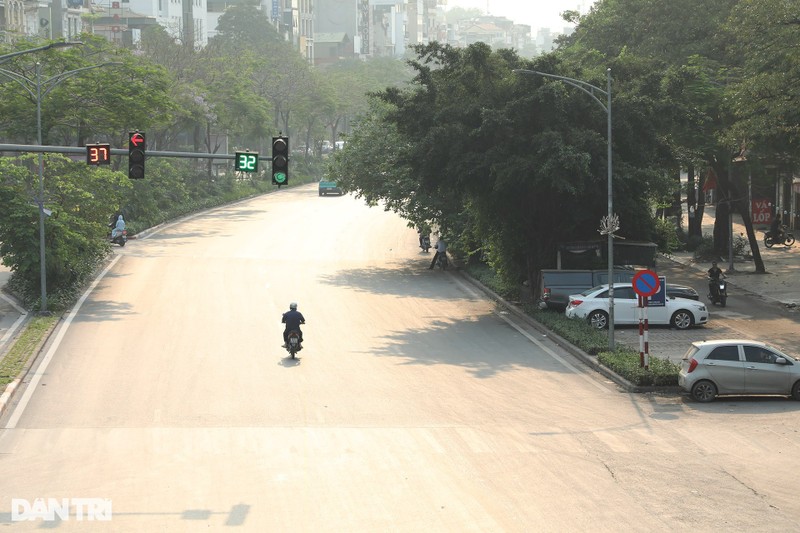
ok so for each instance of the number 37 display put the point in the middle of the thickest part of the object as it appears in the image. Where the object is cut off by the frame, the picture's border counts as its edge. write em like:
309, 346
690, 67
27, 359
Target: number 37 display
98, 154
246, 162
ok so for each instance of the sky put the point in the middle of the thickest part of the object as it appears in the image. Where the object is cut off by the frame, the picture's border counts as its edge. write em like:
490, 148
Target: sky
536, 13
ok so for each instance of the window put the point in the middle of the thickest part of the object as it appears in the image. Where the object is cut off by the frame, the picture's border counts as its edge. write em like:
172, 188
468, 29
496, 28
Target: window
625, 293
756, 354
724, 353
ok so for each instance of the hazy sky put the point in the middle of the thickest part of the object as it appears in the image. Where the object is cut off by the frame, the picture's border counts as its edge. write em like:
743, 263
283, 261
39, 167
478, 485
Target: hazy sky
536, 13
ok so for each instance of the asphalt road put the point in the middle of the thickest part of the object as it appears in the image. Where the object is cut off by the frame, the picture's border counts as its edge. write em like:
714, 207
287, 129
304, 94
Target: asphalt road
416, 404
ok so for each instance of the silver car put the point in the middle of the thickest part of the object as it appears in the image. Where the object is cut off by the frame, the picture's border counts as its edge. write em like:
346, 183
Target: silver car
736, 366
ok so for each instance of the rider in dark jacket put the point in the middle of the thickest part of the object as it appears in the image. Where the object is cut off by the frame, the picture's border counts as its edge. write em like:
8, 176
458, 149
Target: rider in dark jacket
714, 273
292, 318
776, 230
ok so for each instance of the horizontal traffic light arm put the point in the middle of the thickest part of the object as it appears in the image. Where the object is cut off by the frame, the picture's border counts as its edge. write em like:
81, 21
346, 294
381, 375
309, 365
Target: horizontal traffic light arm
116, 151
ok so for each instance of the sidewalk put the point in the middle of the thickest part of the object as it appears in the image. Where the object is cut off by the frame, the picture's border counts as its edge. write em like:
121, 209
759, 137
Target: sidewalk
781, 283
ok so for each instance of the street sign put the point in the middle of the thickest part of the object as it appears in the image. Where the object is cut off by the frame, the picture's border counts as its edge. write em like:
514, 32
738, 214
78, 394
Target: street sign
659, 299
98, 154
646, 283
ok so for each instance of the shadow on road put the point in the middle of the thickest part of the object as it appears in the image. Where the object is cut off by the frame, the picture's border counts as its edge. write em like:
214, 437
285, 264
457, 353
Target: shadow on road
410, 278
474, 344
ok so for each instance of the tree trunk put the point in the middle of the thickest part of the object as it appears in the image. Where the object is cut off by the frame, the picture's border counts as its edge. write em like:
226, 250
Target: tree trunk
738, 202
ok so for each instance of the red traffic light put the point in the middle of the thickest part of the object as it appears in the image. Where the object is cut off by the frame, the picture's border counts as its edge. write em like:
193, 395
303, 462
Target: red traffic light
136, 148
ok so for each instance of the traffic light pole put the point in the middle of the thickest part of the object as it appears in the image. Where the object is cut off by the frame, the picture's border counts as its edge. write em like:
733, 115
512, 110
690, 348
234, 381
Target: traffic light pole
116, 151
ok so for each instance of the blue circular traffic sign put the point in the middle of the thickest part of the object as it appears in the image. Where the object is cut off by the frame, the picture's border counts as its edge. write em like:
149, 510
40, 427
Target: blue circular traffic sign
646, 283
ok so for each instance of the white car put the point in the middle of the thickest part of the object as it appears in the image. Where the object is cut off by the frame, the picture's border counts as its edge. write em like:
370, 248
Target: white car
592, 305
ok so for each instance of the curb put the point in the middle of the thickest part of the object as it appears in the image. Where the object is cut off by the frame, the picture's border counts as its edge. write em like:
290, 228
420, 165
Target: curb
589, 360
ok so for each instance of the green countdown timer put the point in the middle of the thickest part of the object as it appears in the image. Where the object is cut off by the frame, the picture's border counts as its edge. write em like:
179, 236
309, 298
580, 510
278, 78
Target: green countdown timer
246, 162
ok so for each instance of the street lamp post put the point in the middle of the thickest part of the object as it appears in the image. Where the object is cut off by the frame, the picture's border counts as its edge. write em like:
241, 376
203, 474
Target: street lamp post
610, 225
37, 93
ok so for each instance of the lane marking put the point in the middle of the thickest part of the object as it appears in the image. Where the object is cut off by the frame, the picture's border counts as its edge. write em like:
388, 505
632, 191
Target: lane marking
17, 308
17, 323
40, 371
569, 366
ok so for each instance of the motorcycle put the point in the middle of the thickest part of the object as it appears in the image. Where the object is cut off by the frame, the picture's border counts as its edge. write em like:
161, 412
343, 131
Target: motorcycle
720, 295
425, 243
293, 344
121, 238
771, 240
441, 261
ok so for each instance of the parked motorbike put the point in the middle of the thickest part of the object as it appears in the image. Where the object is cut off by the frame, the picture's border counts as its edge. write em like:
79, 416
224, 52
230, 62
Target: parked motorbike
718, 291
293, 345
425, 243
121, 238
770, 240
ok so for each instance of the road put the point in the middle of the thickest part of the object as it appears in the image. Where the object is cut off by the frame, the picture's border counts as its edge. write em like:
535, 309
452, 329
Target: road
416, 404
746, 315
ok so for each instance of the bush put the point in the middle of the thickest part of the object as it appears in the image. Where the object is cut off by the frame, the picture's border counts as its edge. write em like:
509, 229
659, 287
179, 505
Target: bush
627, 363
578, 332
705, 249
666, 236
489, 278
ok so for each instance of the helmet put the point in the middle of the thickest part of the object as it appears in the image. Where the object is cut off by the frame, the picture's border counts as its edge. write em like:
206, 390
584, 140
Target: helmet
293, 305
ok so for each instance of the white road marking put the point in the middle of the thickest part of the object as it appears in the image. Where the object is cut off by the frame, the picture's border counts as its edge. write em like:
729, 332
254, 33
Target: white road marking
17, 323
40, 371
17, 308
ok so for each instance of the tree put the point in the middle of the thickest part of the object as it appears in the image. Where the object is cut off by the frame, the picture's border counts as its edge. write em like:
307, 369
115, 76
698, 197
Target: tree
690, 43
80, 198
492, 158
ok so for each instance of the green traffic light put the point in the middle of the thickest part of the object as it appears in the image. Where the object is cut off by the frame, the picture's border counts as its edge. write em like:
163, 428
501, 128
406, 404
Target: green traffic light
279, 177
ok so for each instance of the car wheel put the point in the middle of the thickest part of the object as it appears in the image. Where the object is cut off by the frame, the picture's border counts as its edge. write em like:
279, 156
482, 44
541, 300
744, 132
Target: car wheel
796, 391
682, 319
704, 391
598, 319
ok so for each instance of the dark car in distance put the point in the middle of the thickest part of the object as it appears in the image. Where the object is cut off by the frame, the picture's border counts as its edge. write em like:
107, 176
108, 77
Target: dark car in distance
681, 291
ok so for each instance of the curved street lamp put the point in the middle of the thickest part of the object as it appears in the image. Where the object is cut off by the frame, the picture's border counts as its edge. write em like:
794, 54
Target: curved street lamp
34, 88
610, 225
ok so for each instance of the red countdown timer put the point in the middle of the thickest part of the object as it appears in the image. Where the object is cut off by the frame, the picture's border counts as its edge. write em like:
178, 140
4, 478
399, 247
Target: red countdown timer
98, 154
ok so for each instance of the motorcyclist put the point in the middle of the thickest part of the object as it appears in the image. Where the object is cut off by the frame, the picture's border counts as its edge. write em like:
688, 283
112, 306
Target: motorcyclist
441, 250
776, 229
714, 273
119, 226
292, 318
424, 237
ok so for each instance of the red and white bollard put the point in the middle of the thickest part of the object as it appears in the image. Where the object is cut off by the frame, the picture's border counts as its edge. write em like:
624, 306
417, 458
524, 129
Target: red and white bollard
644, 346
